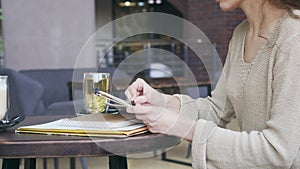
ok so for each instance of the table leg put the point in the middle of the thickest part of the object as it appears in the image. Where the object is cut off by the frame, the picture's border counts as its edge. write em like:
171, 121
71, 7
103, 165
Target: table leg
30, 163
208, 90
44, 163
117, 162
56, 163
72, 163
10, 163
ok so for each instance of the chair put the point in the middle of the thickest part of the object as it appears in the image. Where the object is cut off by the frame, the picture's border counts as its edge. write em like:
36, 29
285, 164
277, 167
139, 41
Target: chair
25, 98
25, 94
56, 97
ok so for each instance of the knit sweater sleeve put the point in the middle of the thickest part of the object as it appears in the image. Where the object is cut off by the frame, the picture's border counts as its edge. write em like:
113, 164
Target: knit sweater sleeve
217, 107
274, 147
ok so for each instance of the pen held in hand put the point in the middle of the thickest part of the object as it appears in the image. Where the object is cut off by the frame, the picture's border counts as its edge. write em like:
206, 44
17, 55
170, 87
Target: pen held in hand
119, 103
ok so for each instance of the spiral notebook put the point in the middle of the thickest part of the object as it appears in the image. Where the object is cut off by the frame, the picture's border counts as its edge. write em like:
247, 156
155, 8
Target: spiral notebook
93, 125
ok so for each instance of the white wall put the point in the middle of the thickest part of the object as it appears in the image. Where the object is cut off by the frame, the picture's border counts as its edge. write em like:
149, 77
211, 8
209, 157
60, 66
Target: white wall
47, 33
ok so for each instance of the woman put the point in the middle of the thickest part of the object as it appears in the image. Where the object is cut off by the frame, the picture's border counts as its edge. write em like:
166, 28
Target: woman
260, 85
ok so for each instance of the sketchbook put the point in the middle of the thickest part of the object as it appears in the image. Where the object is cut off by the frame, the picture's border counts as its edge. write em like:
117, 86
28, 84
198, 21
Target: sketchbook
93, 125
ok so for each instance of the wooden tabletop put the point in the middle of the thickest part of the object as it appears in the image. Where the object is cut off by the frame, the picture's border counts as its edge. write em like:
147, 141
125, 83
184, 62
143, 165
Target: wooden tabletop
17, 145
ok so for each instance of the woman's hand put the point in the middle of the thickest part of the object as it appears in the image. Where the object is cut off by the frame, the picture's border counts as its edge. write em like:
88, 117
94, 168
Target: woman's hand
141, 93
160, 112
151, 105
158, 119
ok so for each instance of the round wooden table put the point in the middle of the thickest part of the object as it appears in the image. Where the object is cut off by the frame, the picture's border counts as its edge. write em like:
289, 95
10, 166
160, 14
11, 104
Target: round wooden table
15, 146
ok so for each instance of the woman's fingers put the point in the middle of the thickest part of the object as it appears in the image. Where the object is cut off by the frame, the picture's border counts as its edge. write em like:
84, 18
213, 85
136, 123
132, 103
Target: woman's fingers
141, 100
128, 94
147, 113
139, 109
135, 89
157, 119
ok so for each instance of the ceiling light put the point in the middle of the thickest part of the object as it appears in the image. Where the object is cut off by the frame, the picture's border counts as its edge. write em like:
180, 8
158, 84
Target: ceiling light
158, 1
127, 3
150, 1
141, 3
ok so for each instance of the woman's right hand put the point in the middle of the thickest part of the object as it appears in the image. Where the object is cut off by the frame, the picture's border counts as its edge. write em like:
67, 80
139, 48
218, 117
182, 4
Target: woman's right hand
139, 92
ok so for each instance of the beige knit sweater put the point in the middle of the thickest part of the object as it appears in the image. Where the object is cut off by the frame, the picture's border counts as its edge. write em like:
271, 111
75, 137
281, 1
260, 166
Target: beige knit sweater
265, 97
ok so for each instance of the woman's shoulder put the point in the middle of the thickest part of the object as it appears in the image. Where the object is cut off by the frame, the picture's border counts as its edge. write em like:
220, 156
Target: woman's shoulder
242, 27
289, 27
291, 23
240, 30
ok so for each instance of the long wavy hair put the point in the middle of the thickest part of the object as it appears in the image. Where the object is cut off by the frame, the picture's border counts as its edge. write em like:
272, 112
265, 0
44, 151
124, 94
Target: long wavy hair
289, 5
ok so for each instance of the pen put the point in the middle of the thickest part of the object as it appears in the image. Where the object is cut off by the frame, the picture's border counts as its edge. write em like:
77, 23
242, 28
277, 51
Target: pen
120, 102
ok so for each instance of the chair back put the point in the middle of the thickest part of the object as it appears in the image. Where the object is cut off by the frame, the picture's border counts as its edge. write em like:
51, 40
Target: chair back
24, 94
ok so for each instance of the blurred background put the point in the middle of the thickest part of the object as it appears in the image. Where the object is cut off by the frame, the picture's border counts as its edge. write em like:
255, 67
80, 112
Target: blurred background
50, 33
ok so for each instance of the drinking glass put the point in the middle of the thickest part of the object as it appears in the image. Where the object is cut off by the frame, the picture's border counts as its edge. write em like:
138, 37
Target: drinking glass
91, 81
4, 99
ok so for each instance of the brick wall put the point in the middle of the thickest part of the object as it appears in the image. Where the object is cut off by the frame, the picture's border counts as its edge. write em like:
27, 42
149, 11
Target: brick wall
217, 25
181, 5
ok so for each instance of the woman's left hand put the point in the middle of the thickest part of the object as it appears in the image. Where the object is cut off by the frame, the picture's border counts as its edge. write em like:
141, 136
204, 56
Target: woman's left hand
164, 120
158, 119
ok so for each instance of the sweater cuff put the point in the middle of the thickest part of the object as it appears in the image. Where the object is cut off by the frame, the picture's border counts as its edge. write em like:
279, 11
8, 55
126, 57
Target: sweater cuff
188, 107
203, 131
186, 119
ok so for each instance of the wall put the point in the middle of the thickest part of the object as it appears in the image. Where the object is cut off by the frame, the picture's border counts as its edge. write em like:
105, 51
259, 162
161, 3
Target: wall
180, 5
48, 33
104, 33
217, 25
103, 14
207, 16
